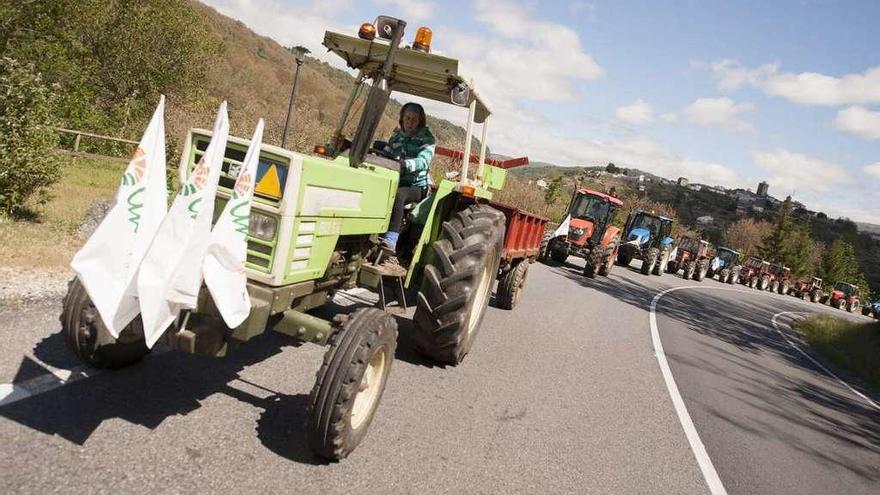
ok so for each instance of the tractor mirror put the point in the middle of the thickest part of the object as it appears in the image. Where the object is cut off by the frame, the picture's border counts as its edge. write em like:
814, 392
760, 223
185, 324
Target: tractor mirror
460, 95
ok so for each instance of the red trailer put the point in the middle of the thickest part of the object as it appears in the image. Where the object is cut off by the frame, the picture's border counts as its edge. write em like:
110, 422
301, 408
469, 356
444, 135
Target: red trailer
522, 243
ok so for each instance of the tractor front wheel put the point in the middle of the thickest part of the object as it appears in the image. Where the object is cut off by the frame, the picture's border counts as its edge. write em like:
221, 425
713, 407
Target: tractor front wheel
86, 335
593, 262
610, 254
510, 285
350, 383
840, 303
650, 261
558, 256
456, 283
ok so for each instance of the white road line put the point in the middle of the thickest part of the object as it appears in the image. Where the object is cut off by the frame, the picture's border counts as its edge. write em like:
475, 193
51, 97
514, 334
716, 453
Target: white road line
817, 363
697, 447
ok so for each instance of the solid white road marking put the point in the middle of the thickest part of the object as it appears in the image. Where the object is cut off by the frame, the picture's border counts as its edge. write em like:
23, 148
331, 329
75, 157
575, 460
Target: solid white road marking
817, 363
697, 447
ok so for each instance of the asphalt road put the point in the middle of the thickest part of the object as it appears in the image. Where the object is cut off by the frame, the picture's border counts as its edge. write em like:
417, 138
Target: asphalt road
562, 395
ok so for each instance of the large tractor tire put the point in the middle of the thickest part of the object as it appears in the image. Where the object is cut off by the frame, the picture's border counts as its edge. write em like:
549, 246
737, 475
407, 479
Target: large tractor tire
672, 267
544, 252
623, 259
511, 284
724, 275
456, 283
558, 255
610, 255
593, 262
662, 262
753, 282
840, 304
785, 287
689, 269
763, 283
815, 296
852, 307
650, 261
702, 270
734, 276
350, 383
86, 335
774, 286
867, 311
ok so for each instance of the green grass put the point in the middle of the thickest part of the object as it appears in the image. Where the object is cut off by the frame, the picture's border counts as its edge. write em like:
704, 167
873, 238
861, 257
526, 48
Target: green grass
850, 345
49, 239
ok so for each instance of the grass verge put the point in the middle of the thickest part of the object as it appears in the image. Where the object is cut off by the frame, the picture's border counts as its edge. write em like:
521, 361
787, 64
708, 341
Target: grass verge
851, 345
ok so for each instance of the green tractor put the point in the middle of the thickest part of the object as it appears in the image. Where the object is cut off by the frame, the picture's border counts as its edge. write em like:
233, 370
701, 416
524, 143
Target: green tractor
314, 230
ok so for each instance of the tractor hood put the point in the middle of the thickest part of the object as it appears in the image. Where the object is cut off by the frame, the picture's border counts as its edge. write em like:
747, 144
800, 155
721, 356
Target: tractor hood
638, 236
579, 230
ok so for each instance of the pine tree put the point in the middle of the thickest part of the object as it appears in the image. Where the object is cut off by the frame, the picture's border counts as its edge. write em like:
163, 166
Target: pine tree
839, 264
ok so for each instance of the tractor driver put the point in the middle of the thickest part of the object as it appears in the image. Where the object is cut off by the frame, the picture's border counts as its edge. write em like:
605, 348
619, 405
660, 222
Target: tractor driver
413, 145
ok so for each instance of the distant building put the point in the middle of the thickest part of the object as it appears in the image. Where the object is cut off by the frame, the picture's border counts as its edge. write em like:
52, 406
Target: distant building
762, 188
682, 181
695, 187
541, 183
705, 220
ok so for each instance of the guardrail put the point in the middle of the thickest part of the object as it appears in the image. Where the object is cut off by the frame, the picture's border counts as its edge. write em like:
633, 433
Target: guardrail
77, 137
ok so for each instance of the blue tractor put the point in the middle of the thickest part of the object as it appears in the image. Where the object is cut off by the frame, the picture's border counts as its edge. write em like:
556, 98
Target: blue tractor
726, 264
648, 238
872, 309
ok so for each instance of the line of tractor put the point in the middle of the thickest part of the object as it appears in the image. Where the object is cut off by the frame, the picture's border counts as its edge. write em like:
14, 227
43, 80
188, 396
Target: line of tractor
589, 232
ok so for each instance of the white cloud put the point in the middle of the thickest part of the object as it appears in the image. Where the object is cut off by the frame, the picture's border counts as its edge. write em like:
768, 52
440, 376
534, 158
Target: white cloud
722, 112
873, 169
790, 171
859, 121
410, 10
636, 113
669, 117
805, 88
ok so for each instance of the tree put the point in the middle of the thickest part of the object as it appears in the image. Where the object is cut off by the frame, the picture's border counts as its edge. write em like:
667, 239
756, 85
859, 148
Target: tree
839, 264
747, 236
28, 163
553, 189
612, 169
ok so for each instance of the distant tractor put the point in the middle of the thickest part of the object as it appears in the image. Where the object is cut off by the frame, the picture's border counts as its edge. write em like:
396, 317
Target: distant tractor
753, 272
692, 257
779, 277
872, 310
587, 233
844, 296
647, 238
726, 265
808, 290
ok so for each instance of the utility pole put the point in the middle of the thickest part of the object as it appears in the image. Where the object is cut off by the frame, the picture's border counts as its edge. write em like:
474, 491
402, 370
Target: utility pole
299, 53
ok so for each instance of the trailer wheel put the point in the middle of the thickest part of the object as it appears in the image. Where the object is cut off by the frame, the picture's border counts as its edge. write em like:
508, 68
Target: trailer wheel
610, 254
86, 335
510, 285
650, 261
456, 283
350, 383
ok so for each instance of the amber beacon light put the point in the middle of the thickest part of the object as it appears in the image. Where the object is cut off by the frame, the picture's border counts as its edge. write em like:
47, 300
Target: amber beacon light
422, 42
368, 31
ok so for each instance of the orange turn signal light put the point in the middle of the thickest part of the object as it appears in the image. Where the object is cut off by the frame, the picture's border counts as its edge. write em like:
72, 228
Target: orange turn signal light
468, 191
320, 150
367, 31
422, 42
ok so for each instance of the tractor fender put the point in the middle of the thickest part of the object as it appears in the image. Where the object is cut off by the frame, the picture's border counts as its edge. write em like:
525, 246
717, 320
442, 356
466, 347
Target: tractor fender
610, 234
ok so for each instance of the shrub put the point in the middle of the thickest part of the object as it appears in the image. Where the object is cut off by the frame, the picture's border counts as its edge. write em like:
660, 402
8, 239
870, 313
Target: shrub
28, 163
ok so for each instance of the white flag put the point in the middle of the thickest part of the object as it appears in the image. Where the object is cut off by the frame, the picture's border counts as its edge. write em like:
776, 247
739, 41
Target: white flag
171, 273
563, 227
108, 262
224, 263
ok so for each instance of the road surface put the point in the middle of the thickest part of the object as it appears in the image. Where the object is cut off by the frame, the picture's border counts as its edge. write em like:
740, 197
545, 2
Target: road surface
565, 394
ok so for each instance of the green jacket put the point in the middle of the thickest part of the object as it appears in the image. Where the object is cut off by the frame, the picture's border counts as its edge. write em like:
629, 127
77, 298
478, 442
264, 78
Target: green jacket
418, 151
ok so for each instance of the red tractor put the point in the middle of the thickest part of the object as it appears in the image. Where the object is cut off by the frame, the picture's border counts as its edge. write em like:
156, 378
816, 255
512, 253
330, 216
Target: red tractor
808, 290
692, 256
779, 279
845, 296
753, 271
587, 233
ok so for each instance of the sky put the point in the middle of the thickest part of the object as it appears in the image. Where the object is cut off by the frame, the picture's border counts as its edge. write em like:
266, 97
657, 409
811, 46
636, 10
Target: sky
723, 93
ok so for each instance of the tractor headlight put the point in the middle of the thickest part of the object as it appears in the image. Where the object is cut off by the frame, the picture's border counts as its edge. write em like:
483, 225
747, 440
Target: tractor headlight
262, 226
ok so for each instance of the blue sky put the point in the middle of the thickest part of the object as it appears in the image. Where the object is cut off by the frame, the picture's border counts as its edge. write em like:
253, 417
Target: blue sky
725, 93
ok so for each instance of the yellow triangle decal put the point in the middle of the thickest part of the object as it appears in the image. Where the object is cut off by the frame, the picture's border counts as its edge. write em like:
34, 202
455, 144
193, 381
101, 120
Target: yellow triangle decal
269, 184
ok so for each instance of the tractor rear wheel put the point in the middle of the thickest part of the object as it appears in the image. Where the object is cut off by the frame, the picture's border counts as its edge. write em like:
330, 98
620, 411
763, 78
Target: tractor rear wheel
350, 383
734, 276
672, 267
86, 335
867, 311
510, 285
774, 286
723, 275
815, 296
456, 283
702, 270
610, 254
662, 262
544, 253
650, 261
753, 282
689, 270
852, 307
623, 259
763, 283
840, 303
558, 255
784, 287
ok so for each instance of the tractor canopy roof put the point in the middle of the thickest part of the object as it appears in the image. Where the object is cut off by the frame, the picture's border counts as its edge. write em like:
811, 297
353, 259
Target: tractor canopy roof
652, 214
846, 288
729, 250
610, 199
414, 72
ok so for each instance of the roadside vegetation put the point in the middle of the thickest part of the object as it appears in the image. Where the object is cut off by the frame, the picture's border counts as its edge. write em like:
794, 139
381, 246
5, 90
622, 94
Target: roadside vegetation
850, 345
